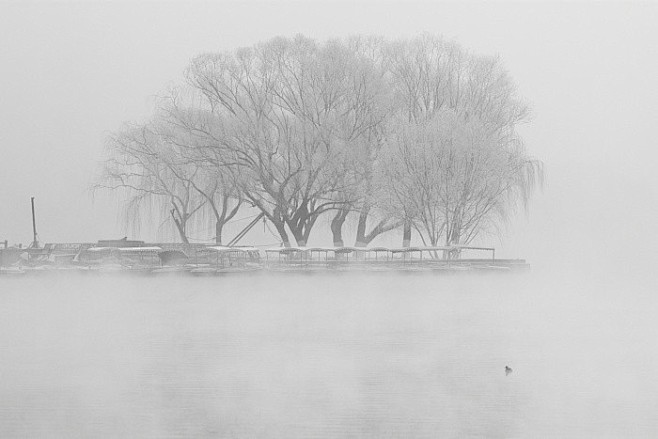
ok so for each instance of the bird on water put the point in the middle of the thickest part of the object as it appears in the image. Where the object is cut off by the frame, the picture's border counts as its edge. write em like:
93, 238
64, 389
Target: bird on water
508, 370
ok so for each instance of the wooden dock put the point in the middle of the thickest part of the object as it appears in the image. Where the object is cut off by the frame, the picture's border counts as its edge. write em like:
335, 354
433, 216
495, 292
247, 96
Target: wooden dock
160, 259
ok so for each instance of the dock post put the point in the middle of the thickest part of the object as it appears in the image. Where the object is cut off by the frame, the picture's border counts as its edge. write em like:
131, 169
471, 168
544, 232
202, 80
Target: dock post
35, 243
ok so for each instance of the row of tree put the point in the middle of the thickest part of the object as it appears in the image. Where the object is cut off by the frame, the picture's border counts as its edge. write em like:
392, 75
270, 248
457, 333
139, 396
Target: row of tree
416, 134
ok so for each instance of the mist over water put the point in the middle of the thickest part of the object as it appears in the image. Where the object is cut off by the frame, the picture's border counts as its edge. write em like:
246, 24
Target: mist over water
327, 355
412, 355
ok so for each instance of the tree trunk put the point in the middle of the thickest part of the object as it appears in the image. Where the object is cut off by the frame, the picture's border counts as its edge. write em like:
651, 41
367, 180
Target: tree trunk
337, 226
281, 228
180, 225
406, 234
218, 232
385, 225
455, 237
299, 238
298, 233
300, 225
361, 227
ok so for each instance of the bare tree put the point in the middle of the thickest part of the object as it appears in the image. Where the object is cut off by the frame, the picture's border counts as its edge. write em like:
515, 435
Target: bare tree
417, 133
141, 164
435, 81
452, 180
284, 102
193, 133
370, 100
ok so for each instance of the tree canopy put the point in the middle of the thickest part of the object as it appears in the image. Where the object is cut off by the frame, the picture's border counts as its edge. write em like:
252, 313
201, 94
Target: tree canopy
414, 133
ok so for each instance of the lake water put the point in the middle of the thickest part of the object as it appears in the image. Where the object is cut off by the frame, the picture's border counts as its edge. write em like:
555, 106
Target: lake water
327, 355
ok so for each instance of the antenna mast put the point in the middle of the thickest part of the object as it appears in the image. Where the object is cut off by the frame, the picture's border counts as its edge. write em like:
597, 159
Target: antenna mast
35, 243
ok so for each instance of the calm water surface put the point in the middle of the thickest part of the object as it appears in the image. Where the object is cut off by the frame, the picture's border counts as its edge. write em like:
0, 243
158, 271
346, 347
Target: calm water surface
281, 356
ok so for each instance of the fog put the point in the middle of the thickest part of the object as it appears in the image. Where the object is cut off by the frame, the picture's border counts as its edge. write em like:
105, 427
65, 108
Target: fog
355, 355
349, 355
75, 71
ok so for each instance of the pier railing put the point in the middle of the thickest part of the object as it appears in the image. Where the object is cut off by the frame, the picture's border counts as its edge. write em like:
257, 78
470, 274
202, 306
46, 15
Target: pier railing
200, 258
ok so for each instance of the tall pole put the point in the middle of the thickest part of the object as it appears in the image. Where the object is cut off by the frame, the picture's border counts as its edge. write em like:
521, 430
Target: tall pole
35, 243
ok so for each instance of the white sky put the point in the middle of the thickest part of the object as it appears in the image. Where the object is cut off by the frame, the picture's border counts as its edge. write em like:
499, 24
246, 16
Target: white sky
71, 72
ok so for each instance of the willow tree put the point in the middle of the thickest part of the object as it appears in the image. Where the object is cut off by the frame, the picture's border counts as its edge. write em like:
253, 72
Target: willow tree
452, 180
198, 141
432, 78
372, 99
412, 132
149, 171
283, 106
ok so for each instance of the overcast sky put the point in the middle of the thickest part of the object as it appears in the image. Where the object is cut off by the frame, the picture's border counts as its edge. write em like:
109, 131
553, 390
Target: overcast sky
71, 72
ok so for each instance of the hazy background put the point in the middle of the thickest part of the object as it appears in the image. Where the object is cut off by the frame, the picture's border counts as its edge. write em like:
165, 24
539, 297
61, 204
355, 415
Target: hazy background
71, 72
354, 355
